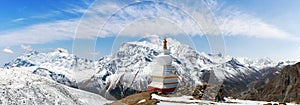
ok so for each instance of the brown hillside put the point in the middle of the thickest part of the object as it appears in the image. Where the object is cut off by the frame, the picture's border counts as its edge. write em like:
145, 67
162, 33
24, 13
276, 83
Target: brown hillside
283, 88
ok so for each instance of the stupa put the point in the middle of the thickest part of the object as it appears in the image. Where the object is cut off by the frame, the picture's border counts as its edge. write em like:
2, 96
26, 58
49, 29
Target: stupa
164, 77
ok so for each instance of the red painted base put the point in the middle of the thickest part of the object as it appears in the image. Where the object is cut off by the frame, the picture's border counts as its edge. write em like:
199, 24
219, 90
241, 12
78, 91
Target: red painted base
166, 90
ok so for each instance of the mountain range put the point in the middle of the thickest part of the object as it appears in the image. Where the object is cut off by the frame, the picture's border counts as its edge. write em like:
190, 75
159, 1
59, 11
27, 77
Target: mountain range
284, 87
127, 70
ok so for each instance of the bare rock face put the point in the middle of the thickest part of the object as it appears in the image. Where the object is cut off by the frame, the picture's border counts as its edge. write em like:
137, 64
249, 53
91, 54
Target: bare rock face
282, 88
198, 92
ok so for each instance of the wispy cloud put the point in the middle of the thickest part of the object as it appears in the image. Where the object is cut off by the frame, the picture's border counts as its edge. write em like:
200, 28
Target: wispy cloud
231, 21
26, 47
234, 22
18, 19
77, 8
47, 15
8, 50
139, 19
157, 26
39, 33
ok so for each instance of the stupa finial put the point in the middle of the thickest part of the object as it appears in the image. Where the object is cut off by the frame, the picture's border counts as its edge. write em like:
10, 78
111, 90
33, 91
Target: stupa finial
165, 44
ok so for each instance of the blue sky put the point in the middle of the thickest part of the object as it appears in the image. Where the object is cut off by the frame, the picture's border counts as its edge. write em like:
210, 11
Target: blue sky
251, 28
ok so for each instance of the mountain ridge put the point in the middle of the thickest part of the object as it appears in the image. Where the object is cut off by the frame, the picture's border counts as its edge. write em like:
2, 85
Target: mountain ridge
282, 88
116, 72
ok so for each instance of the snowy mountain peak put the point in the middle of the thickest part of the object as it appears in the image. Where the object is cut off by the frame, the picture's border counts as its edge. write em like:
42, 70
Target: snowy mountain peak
234, 61
30, 53
61, 50
216, 55
59, 65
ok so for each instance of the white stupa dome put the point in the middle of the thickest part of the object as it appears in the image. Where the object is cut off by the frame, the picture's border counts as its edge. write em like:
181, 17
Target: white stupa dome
163, 60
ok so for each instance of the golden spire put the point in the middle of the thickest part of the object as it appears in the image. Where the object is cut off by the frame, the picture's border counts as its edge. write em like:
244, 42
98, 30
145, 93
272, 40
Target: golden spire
165, 44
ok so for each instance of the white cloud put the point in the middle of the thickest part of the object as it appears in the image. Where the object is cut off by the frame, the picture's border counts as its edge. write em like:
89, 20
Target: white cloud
8, 50
232, 22
26, 47
155, 26
144, 18
94, 18
39, 33
18, 20
235, 23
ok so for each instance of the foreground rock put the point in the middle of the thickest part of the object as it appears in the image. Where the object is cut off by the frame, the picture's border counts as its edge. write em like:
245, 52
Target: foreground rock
143, 98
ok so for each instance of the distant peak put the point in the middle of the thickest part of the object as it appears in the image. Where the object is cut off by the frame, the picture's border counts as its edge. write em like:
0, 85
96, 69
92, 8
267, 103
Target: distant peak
33, 52
30, 53
216, 54
61, 50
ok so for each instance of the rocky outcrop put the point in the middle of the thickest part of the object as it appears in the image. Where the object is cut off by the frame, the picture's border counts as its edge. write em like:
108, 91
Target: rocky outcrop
282, 88
143, 98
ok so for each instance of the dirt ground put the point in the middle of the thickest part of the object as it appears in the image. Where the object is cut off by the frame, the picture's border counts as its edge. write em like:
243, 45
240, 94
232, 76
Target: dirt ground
143, 98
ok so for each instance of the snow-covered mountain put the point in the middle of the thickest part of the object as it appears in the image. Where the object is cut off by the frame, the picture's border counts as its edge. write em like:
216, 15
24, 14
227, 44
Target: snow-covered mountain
127, 70
59, 65
262, 63
20, 87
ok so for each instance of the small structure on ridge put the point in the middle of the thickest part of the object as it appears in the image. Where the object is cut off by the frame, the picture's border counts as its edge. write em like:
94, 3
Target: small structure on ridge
164, 77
